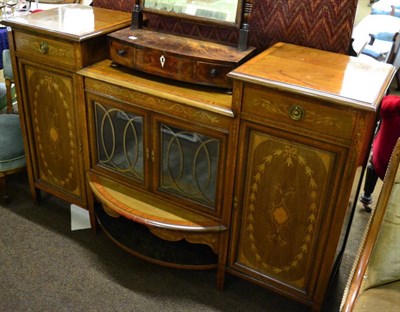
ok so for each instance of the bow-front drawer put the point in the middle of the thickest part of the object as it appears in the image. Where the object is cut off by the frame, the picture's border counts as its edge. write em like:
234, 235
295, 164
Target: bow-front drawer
55, 51
170, 65
299, 112
176, 57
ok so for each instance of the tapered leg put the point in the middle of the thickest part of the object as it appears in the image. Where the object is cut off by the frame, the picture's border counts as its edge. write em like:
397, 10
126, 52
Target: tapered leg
369, 186
4, 189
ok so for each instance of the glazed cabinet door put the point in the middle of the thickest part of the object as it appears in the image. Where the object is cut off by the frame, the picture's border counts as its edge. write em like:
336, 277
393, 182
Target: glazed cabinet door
50, 103
181, 162
190, 164
283, 201
118, 140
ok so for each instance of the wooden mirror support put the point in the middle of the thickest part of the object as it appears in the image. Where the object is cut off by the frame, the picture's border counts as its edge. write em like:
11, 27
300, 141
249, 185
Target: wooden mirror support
182, 58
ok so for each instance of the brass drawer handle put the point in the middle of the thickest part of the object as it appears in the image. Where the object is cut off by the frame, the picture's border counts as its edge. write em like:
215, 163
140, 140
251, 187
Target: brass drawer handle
121, 52
213, 72
296, 112
43, 47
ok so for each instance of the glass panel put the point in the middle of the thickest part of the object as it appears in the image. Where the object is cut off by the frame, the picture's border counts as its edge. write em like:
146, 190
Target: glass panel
119, 140
218, 10
189, 164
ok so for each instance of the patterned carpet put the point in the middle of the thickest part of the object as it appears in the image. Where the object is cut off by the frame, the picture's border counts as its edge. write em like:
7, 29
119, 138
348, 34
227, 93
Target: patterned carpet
44, 266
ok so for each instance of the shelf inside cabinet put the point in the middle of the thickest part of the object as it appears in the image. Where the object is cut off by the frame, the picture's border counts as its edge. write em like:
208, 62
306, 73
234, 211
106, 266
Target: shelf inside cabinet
142, 208
138, 240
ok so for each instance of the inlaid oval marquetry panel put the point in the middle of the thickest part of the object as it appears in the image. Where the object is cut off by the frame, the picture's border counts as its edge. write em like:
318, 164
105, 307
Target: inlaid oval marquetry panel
54, 129
284, 191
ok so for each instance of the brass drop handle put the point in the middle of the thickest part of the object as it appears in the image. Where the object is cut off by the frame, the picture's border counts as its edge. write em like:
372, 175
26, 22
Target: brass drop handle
43, 47
296, 112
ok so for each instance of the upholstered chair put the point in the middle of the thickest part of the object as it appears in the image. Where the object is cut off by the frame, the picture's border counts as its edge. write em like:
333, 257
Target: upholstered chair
377, 36
12, 156
389, 7
8, 80
374, 283
382, 146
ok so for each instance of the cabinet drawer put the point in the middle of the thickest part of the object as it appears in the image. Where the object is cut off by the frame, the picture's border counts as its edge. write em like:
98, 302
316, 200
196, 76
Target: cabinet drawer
298, 111
55, 51
171, 66
176, 57
151, 61
210, 73
163, 64
122, 53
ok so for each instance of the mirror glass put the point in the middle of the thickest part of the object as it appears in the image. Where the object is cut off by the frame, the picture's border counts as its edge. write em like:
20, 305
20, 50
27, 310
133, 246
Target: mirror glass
222, 11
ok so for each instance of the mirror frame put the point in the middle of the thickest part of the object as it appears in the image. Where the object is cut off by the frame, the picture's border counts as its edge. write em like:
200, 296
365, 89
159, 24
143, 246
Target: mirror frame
197, 19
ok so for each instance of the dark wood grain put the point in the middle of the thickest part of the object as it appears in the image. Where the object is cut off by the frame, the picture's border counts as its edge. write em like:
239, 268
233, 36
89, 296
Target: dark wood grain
186, 59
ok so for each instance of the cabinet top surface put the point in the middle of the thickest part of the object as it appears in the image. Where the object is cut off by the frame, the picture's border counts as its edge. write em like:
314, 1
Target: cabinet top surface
326, 75
74, 22
209, 99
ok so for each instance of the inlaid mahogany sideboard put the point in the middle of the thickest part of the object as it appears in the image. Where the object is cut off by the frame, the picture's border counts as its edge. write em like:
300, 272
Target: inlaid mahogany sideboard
259, 182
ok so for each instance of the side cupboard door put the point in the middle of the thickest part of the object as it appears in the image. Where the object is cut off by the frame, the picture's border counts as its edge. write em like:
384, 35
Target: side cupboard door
283, 201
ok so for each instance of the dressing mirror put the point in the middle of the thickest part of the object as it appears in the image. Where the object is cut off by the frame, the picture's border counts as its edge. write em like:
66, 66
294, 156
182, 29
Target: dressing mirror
226, 12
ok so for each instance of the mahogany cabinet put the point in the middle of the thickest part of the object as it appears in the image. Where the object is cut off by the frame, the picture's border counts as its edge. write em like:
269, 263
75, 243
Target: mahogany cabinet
293, 141
165, 146
305, 127
263, 178
46, 56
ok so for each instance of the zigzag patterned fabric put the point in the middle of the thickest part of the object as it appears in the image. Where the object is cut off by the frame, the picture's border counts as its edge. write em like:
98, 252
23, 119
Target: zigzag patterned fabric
321, 24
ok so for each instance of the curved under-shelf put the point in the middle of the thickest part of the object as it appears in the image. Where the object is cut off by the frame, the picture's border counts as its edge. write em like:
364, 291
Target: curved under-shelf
165, 227
138, 240
148, 210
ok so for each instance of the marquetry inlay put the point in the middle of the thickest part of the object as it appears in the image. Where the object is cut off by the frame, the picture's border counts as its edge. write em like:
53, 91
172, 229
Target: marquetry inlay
54, 127
161, 104
281, 108
275, 205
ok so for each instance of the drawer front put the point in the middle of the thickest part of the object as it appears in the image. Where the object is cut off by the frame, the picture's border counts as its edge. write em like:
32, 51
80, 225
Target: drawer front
121, 53
165, 65
298, 111
54, 51
213, 74
170, 65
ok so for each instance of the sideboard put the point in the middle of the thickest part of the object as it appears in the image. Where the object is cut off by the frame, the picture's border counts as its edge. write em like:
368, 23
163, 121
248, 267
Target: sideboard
259, 182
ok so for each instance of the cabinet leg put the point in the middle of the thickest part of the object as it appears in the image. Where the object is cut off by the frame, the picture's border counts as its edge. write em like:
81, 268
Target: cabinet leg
220, 277
91, 202
4, 189
36, 195
316, 307
93, 221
